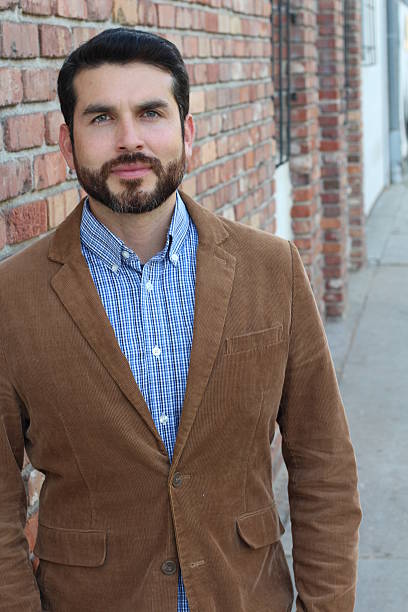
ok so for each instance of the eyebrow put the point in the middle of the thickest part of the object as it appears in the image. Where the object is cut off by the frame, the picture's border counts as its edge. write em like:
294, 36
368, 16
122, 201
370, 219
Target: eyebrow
93, 109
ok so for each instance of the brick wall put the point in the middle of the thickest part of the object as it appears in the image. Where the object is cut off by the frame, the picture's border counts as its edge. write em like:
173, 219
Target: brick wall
326, 162
354, 139
305, 156
331, 70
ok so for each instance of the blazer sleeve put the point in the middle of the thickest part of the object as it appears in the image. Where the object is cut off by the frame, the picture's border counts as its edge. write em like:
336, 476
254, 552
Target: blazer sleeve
323, 497
18, 587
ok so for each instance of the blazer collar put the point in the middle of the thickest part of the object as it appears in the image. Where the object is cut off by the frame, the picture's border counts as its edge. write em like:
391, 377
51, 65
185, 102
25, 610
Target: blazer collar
65, 244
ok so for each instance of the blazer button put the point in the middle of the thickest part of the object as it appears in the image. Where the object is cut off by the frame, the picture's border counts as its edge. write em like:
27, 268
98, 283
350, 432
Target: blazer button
177, 479
169, 567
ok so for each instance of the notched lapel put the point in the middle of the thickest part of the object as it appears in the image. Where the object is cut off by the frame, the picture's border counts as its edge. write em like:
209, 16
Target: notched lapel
74, 286
214, 280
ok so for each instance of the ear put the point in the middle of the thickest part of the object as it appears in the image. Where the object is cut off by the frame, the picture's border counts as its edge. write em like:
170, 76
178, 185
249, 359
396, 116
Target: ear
189, 131
66, 145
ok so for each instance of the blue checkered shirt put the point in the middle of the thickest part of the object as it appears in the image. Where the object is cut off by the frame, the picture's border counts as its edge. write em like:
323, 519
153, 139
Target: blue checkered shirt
151, 310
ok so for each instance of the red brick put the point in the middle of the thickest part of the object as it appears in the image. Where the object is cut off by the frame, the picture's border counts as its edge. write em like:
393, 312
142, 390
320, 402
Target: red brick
167, 15
60, 205
24, 131
3, 237
11, 86
184, 18
49, 169
30, 532
81, 35
53, 120
211, 22
37, 7
5, 4
39, 85
73, 9
99, 10
125, 12
18, 40
15, 178
55, 41
26, 221
148, 13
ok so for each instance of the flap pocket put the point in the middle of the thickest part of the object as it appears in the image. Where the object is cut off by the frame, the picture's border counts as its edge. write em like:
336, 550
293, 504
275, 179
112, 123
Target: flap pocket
261, 527
86, 548
255, 340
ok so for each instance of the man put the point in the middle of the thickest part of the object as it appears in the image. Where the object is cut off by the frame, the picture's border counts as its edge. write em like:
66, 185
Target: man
147, 349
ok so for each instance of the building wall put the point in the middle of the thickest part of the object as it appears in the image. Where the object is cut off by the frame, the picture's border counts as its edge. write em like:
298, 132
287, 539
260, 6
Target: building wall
327, 161
403, 17
283, 201
375, 115
354, 139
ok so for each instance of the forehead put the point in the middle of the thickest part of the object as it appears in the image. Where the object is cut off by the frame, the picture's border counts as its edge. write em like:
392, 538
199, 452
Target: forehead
117, 84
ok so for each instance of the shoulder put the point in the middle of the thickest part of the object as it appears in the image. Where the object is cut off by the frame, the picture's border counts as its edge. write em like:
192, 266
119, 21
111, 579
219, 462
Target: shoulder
239, 239
258, 248
27, 264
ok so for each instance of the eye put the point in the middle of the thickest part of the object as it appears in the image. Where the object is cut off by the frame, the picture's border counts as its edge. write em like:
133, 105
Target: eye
101, 119
151, 114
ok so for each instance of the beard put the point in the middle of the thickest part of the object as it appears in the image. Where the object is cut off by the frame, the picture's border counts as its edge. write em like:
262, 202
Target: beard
132, 199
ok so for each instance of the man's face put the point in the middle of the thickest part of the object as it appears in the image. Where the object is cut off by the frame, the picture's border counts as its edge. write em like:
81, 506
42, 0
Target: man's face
128, 149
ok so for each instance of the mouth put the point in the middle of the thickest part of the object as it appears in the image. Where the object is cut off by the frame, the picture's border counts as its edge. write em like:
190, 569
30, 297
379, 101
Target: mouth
131, 171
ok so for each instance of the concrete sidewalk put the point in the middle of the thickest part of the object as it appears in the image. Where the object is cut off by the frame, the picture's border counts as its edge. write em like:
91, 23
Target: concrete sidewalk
370, 351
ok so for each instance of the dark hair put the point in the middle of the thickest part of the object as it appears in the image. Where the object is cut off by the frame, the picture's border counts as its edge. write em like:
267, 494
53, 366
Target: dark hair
123, 46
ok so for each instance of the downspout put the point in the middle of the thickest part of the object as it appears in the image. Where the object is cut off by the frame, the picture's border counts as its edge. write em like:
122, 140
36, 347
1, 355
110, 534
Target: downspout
393, 44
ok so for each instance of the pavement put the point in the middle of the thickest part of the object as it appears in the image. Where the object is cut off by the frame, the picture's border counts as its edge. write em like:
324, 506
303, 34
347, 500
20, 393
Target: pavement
370, 351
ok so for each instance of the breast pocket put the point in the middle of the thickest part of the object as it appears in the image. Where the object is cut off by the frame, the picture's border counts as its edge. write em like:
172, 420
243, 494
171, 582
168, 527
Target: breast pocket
254, 341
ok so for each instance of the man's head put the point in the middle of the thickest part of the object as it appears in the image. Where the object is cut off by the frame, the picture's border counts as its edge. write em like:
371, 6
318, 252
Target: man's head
122, 46
125, 99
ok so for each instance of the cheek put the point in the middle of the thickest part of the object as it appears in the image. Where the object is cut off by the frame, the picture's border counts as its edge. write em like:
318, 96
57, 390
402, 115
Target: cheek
166, 143
91, 154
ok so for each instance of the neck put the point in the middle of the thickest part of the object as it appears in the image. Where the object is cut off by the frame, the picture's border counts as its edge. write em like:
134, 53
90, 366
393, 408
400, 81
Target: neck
144, 233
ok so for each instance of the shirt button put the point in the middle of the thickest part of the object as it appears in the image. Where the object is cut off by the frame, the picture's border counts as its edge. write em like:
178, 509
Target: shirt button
125, 255
115, 268
174, 258
169, 567
156, 351
149, 286
177, 480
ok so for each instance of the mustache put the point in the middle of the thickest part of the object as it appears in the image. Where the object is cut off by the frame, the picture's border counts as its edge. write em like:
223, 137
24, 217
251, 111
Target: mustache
131, 158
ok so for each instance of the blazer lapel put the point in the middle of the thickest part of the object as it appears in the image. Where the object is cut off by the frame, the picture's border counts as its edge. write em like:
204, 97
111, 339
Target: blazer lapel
214, 280
75, 288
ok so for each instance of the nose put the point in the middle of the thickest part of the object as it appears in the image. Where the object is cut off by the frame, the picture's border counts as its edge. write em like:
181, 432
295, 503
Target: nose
129, 137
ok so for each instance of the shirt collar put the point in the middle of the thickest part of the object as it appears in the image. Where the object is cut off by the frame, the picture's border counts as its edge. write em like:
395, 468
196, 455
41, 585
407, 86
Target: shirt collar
114, 253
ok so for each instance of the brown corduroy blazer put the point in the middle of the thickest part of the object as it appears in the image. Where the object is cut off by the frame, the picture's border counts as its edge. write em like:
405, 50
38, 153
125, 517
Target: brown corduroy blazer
116, 519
